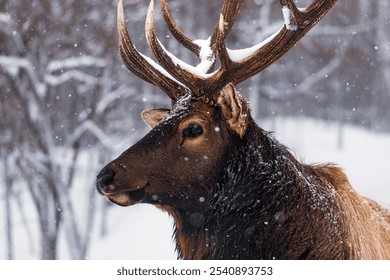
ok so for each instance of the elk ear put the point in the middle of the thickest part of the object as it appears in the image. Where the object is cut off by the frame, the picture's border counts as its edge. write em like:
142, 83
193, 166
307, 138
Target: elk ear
235, 109
154, 116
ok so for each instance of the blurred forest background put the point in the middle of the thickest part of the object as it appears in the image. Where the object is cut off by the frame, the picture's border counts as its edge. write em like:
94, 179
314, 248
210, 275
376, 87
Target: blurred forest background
68, 104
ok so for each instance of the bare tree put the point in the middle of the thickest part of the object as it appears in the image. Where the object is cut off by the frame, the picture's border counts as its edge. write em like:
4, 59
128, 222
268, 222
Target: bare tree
58, 86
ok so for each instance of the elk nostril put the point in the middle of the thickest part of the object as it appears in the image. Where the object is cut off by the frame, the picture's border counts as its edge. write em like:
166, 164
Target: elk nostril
105, 180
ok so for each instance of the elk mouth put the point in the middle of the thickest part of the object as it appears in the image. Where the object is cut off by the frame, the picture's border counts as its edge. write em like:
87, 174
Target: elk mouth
127, 198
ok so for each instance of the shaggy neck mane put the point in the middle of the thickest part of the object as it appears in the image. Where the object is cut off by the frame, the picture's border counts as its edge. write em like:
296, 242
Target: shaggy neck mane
265, 194
266, 205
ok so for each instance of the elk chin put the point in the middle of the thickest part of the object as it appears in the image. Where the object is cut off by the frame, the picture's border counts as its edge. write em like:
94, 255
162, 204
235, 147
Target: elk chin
127, 198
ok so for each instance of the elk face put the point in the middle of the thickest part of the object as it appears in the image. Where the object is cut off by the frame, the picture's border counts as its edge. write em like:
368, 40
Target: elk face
177, 163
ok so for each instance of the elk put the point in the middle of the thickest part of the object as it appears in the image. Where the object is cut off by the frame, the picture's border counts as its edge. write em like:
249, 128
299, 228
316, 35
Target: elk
234, 191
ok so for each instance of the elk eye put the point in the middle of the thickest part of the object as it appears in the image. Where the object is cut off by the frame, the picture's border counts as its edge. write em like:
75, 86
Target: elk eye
192, 131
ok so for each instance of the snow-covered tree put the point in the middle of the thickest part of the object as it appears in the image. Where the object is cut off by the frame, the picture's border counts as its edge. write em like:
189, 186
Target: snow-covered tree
58, 72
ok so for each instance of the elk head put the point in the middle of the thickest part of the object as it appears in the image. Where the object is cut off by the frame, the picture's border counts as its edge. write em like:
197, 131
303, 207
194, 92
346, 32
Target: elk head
177, 165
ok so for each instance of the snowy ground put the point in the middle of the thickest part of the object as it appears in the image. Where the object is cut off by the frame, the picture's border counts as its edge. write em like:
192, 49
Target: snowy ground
143, 232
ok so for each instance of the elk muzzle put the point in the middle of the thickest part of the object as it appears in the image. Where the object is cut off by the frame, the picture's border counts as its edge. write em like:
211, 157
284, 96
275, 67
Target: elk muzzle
116, 193
104, 181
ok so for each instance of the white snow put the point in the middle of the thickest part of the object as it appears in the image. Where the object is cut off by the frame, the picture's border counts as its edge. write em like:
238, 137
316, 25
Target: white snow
287, 18
182, 103
91, 127
75, 62
13, 64
241, 54
207, 58
185, 66
5, 18
55, 80
160, 69
139, 232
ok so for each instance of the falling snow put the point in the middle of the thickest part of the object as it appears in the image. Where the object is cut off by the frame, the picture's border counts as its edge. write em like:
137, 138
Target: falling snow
70, 105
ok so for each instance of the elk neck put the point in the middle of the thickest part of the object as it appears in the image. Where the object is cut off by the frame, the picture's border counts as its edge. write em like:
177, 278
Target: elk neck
261, 181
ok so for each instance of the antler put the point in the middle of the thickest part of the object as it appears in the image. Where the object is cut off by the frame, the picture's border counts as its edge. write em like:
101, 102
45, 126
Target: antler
141, 65
297, 23
235, 65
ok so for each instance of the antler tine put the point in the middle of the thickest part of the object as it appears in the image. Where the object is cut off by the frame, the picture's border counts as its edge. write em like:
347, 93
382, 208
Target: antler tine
230, 11
141, 66
229, 14
176, 32
227, 18
297, 23
176, 67
225, 60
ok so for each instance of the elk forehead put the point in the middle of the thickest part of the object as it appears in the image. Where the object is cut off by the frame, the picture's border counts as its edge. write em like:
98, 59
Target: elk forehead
154, 117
